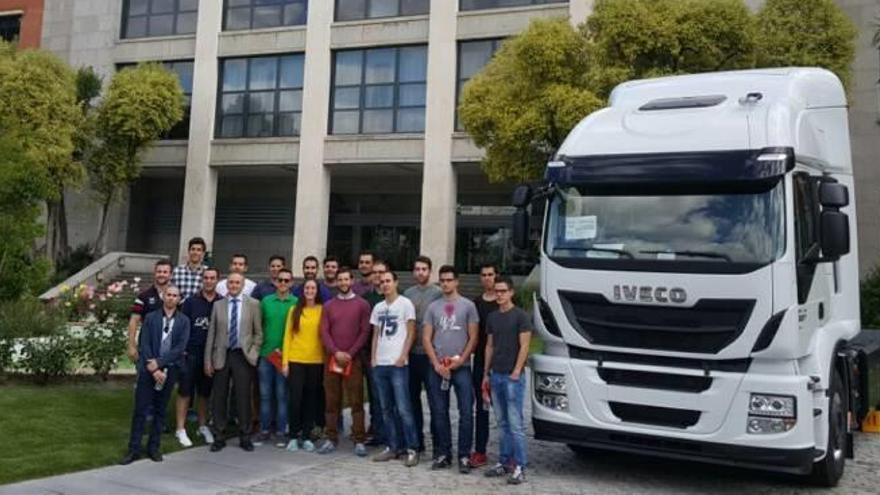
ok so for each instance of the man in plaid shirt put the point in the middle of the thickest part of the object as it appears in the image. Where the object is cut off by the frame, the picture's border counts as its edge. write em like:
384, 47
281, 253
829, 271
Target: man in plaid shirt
188, 276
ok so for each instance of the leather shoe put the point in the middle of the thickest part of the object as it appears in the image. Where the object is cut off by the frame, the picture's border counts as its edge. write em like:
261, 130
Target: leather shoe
218, 445
247, 445
155, 456
129, 458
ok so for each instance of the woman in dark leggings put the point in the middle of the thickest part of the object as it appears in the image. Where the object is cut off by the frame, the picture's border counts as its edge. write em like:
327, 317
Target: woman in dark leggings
303, 357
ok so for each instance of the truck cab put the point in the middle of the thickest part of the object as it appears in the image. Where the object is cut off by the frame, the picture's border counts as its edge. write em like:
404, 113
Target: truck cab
698, 273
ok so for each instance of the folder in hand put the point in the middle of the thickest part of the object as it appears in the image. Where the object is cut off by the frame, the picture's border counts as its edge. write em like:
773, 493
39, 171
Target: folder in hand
334, 367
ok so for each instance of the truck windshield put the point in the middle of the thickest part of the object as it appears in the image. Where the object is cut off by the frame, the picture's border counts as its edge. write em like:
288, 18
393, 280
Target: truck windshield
740, 224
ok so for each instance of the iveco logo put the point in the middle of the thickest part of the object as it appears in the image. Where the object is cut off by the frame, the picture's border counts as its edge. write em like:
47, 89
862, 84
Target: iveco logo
644, 293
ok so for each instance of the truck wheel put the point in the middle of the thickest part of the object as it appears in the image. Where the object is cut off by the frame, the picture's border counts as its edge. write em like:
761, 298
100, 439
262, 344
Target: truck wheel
828, 471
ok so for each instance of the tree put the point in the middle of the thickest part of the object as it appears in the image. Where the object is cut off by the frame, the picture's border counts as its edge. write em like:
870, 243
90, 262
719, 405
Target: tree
140, 105
23, 188
522, 105
806, 33
635, 39
545, 80
38, 97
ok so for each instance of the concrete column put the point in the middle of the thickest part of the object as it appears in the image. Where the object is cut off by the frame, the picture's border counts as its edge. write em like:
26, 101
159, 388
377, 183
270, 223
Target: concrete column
439, 183
313, 179
579, 10
200, 191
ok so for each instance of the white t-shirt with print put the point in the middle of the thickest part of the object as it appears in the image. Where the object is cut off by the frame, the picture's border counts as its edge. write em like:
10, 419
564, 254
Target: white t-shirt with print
391, 321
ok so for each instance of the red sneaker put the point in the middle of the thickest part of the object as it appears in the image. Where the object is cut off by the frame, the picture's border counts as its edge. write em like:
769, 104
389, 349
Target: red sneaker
478, 459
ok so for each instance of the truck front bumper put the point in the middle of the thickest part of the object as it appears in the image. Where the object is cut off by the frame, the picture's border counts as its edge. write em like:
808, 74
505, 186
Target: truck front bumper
793, 461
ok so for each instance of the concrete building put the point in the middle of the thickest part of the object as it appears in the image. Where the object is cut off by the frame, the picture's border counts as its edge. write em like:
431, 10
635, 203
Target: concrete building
21, 21
329, 126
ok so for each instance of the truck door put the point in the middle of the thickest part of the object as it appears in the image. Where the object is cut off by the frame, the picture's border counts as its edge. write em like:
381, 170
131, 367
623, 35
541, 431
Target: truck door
813, 287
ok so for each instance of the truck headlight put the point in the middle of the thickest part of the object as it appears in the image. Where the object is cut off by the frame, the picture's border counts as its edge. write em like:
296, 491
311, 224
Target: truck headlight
771, 414
556, 402
550, 382
551, 391
776, 406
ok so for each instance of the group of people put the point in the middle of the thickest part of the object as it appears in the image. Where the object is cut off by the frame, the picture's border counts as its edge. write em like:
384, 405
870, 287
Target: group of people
286, 356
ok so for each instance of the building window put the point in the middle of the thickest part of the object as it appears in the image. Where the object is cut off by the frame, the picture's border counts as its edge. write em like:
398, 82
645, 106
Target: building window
145, 18
472, 57
495, 4
352, 10
10, 26
257, 14
261, 96
379, 90
184, 71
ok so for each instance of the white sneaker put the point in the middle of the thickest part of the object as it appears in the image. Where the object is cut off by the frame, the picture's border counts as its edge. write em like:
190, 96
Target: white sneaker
205, 433
183, 438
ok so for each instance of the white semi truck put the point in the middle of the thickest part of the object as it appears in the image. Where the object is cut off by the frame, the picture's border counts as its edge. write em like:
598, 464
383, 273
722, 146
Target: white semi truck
699, 283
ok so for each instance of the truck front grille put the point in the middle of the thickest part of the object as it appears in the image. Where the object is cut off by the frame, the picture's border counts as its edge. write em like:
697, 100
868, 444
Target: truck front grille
707, 327
659, 381
656, 416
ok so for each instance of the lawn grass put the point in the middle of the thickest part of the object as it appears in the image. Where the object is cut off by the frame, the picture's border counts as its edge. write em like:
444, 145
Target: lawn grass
57, 429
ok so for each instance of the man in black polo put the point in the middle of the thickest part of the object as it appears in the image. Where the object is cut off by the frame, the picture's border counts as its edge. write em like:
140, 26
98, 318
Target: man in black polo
194, 383
147, 301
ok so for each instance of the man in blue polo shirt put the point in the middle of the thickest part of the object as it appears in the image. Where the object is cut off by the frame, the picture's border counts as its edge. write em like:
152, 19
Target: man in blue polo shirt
194, 383
266, 287
310, 272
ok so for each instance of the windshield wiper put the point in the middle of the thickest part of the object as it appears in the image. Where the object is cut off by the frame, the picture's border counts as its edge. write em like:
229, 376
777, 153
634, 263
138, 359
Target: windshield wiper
622, 252
695, 254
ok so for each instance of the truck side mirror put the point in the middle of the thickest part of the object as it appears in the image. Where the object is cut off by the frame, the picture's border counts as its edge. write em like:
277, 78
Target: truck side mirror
834, 231
522, 196
833, 195
521, 228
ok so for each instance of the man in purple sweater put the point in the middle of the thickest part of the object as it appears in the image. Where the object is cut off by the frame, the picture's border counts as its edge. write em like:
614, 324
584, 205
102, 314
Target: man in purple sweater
345, 323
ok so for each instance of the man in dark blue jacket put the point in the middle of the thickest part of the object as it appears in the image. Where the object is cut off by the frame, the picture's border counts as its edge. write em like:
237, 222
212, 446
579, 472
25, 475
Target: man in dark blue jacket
161, 343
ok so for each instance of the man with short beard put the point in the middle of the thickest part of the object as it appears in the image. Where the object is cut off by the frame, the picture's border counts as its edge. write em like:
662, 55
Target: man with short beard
365, 267
310, 272
146, 302
345, 322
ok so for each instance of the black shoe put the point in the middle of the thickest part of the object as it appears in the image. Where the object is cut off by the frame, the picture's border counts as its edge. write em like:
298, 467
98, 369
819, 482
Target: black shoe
129, 458
464, 465
218, 445
441, 462
246, 445
373, 442
155, 456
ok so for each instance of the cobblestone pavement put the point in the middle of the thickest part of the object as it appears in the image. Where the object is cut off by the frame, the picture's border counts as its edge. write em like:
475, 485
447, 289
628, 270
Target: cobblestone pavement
557, 470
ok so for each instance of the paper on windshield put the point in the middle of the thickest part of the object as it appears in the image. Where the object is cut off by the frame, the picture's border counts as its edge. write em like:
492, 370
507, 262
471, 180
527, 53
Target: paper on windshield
583, 227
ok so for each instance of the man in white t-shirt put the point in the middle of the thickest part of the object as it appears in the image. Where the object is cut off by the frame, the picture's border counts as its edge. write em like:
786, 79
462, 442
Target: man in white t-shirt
239, 264
394, 325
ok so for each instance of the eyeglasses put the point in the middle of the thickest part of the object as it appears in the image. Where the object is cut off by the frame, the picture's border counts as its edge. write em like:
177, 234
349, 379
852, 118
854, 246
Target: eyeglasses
284, 280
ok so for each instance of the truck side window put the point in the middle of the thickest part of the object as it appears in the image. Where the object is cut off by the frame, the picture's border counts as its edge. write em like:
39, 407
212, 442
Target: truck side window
806, 209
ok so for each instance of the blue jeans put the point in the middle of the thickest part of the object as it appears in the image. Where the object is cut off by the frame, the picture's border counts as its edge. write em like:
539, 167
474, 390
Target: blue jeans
272, 383
507, 400
420, 370
392, 383
461, 381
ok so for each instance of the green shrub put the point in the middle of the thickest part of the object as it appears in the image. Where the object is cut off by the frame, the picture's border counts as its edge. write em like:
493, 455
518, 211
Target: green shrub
100, 346
47, 358
29, 317
6, 348
870, 299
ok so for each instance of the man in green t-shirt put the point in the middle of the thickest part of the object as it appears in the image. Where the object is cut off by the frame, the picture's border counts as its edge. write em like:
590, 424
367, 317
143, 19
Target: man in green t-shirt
272, 383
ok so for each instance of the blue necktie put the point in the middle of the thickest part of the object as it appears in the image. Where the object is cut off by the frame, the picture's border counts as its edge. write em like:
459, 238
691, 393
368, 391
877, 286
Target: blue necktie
233, 325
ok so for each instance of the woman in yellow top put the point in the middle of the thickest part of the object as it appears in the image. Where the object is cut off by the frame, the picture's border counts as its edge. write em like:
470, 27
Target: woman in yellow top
303, 357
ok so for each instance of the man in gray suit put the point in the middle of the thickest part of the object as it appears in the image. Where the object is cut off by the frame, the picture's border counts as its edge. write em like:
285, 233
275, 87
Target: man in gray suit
235, 335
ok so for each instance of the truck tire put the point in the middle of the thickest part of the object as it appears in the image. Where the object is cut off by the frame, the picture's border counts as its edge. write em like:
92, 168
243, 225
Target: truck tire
829, 470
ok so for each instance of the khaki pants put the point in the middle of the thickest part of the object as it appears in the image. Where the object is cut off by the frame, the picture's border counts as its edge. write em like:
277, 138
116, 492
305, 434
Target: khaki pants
334, 384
